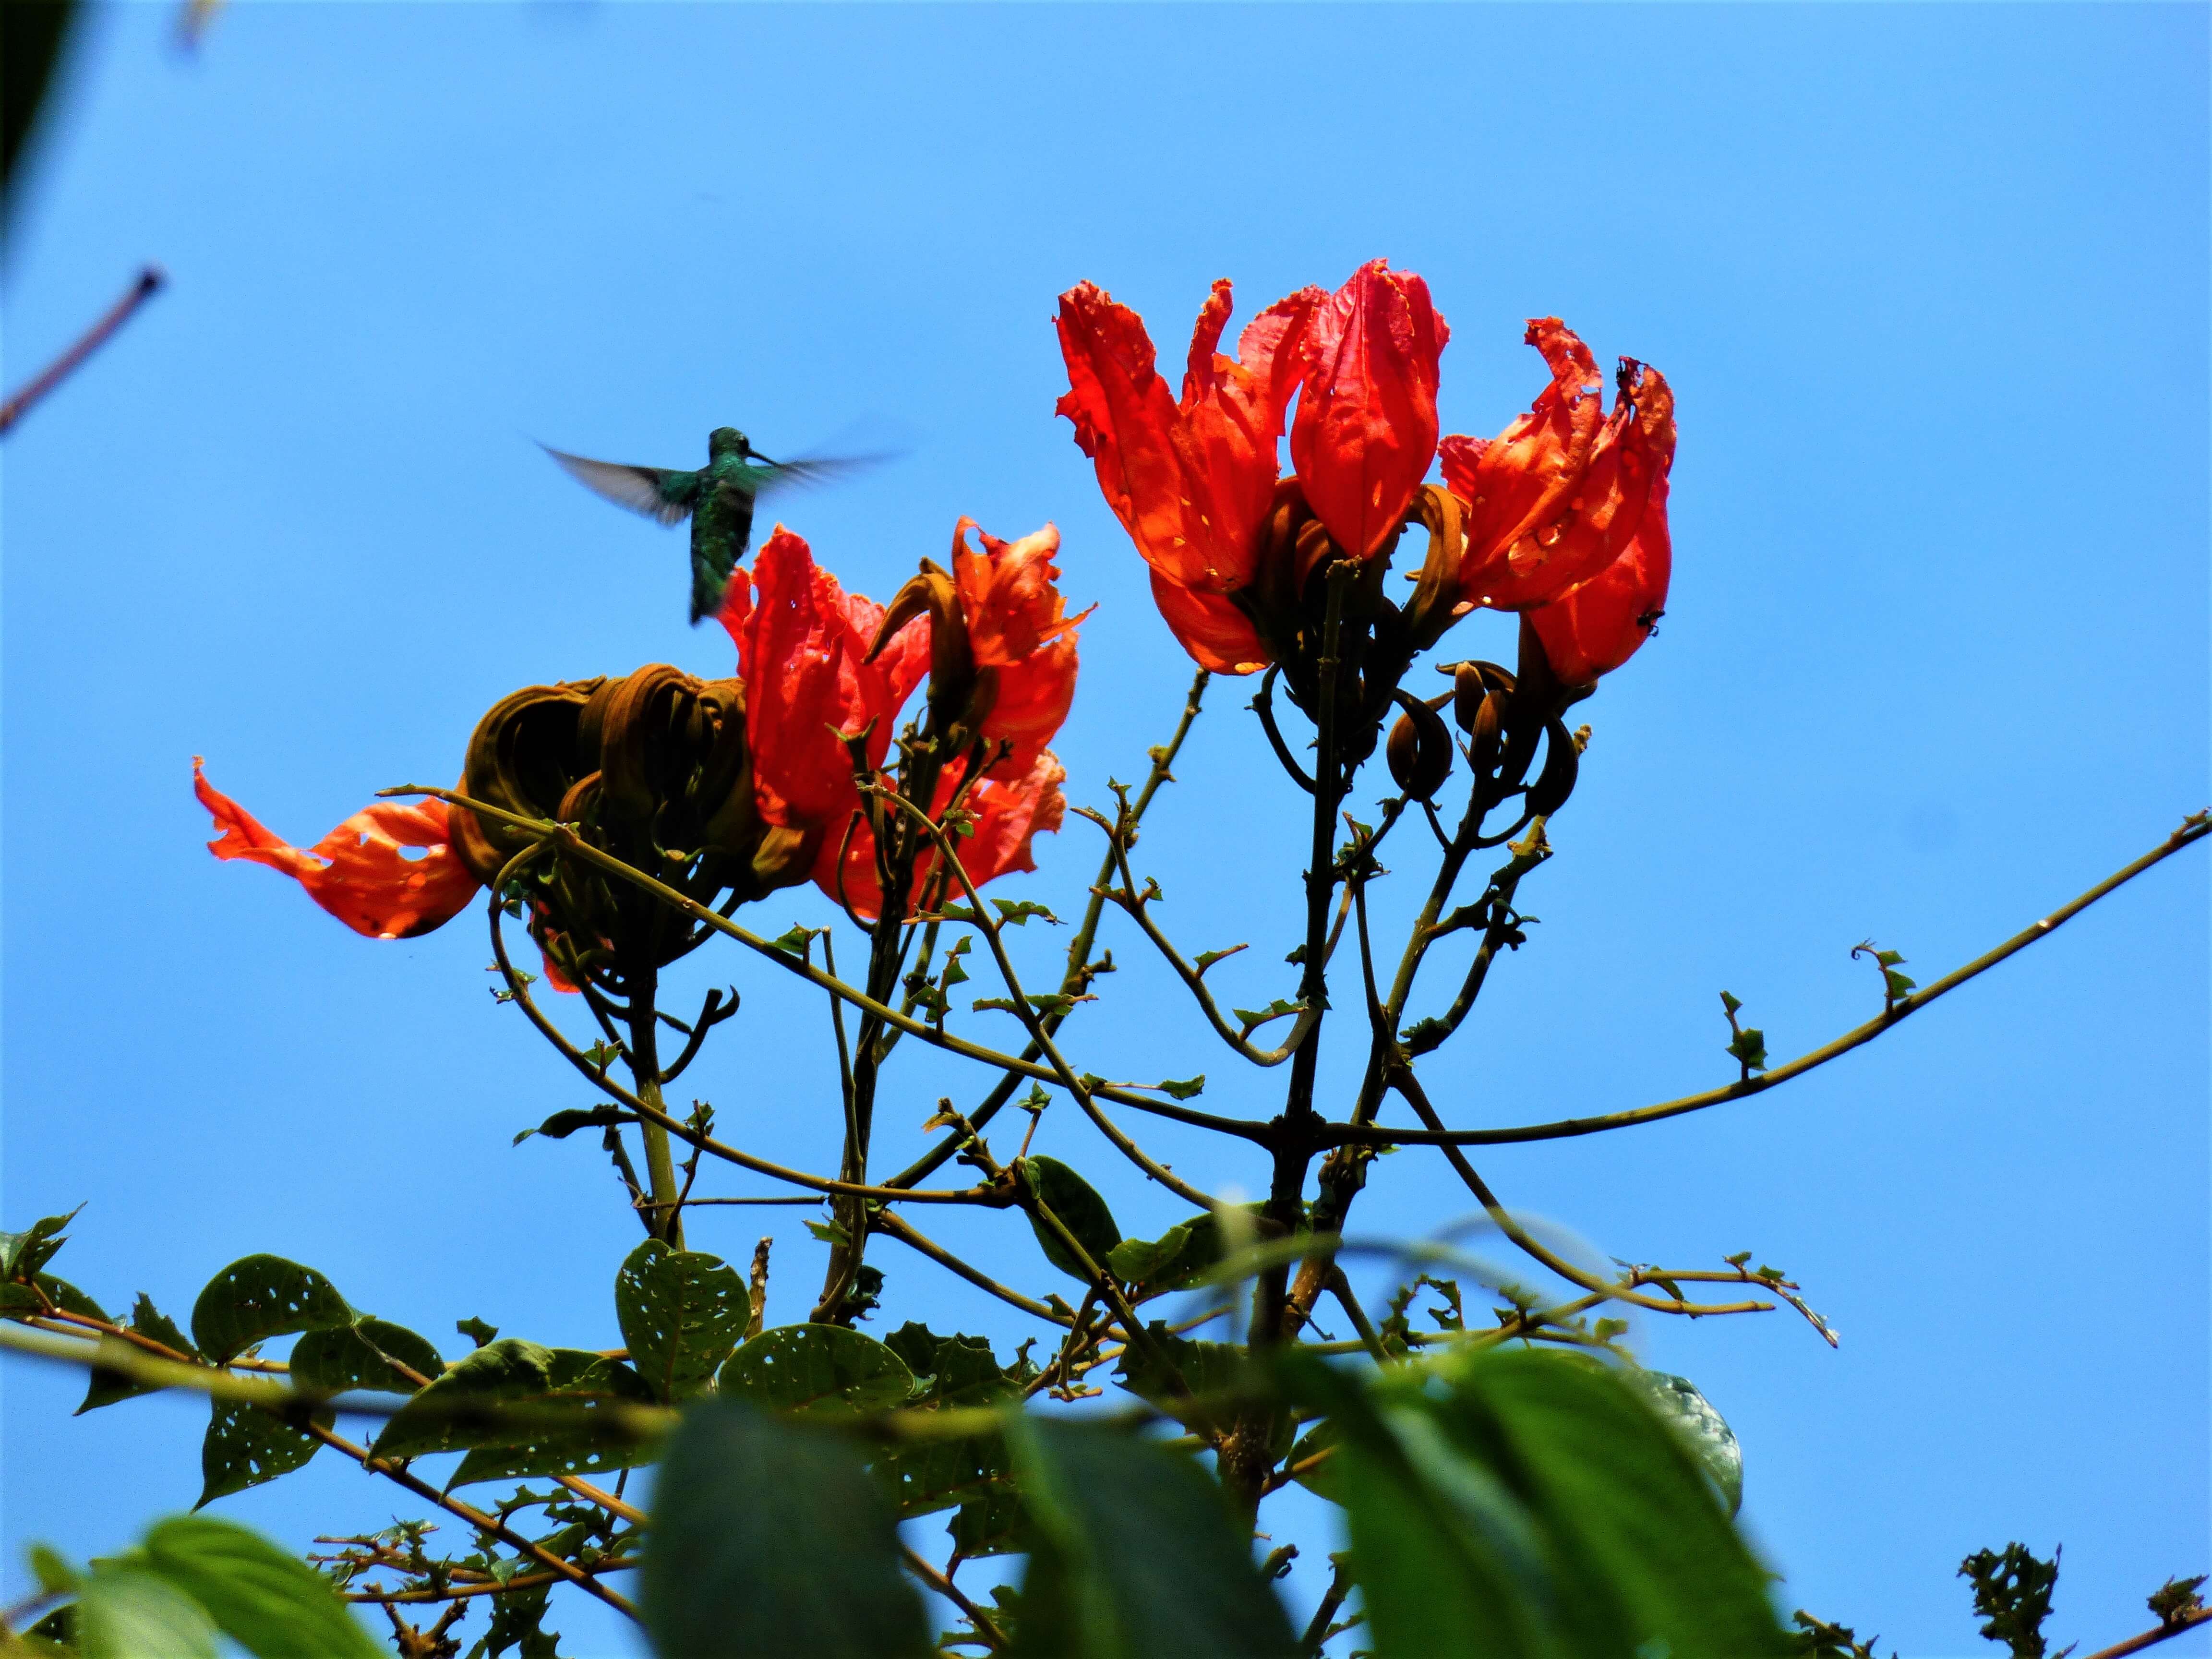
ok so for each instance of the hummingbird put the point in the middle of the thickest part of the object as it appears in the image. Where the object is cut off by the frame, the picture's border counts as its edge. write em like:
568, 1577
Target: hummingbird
718, 499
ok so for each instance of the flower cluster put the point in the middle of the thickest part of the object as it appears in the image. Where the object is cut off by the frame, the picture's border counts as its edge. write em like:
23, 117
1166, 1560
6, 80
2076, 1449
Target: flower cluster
731, 789
1561, 516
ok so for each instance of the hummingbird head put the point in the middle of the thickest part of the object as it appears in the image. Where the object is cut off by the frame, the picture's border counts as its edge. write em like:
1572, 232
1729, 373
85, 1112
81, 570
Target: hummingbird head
727, 440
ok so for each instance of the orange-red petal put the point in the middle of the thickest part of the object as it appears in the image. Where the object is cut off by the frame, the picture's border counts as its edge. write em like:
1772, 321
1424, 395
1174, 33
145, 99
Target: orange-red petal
359, 872
1596, 626
1217, 635
1366, 428
1009, 814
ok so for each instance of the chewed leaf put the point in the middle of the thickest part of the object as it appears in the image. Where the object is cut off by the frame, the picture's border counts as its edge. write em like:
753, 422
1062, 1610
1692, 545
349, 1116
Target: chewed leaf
1205, 959
817, 1370
1017, 912
258, 1297
1184, 1089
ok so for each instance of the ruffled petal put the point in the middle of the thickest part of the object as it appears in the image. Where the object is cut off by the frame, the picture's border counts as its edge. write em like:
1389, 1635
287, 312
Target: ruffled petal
1009, 814
1366, 428
802, 644
1217, 635
358, 872
1523, 487
1599, 625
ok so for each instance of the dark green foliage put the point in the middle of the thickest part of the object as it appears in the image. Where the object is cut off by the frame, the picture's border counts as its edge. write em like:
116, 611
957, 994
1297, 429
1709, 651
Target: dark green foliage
518, 1626
769, 1538
269, 1602
23, 1255
974, 1474
361, 1355
583, 1443
260, 1297
1175, 1260
1704, 1430
1135, 1556
476, 1331
1527, 1503
817, 1370
1814, 1638
246, 1445
681, 1313
1079, 1209
462, 1410
1207, 1369
106, 1388
2177, 1600
2012, 1593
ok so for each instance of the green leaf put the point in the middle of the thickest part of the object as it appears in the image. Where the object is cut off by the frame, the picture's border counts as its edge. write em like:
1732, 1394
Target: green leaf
360, 1356
127, 1613
1186, 1090
1251, 1019
1136, 1555
1731, 1003
588, 1442
1209, 1369
1704, 1430
562, 1124
259, 1297
106, 1388
476, 1330
1080, 1210
21, 1254
246, 1446
269, 1602
1017, 912
1205, 959
817, 1370
770, 1539
1176, 1260
458, 1410
1749, 1045
794, 940
681, 1314
1318, 1479
1423, 1035
973, 1474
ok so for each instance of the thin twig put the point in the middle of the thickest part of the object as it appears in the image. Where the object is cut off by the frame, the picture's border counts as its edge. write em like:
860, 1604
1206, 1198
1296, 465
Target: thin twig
145, 286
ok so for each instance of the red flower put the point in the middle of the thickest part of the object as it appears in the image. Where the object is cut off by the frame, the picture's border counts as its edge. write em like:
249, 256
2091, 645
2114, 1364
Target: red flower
1597, 625
802, 648
1560, 494
1366, 429
358, 872
1020, 634
1219, 636
1008, 814
1192, 481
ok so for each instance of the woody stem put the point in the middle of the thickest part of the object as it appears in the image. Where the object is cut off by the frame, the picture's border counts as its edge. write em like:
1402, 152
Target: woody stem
666, 1220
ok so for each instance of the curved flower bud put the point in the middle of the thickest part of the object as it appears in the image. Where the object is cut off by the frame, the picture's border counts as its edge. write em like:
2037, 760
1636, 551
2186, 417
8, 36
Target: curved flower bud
1558, 496
1005, 817
1366, 428
803, 653
358, 872
1595, 627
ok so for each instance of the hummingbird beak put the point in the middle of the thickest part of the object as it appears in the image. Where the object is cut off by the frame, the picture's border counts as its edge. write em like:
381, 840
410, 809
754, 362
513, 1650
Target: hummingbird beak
752, 454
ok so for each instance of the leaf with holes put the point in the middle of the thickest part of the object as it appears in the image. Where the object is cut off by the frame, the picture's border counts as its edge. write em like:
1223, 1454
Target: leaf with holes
1704, 1430
267, 1601
106, 1388
592, 1439
1080, 1210
462, 1409
246, 1446
769, 1539
681, 1314
259, 1297
817, 1370
361, 1355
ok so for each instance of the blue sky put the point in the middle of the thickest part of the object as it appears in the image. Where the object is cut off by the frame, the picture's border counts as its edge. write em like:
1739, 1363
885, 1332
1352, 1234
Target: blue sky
1929, 282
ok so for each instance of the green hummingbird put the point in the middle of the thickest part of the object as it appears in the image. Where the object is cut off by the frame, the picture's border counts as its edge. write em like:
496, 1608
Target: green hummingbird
718, 499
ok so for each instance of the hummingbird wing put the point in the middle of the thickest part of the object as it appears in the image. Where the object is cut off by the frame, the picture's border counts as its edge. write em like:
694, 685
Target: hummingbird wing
658, 493
808, 471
